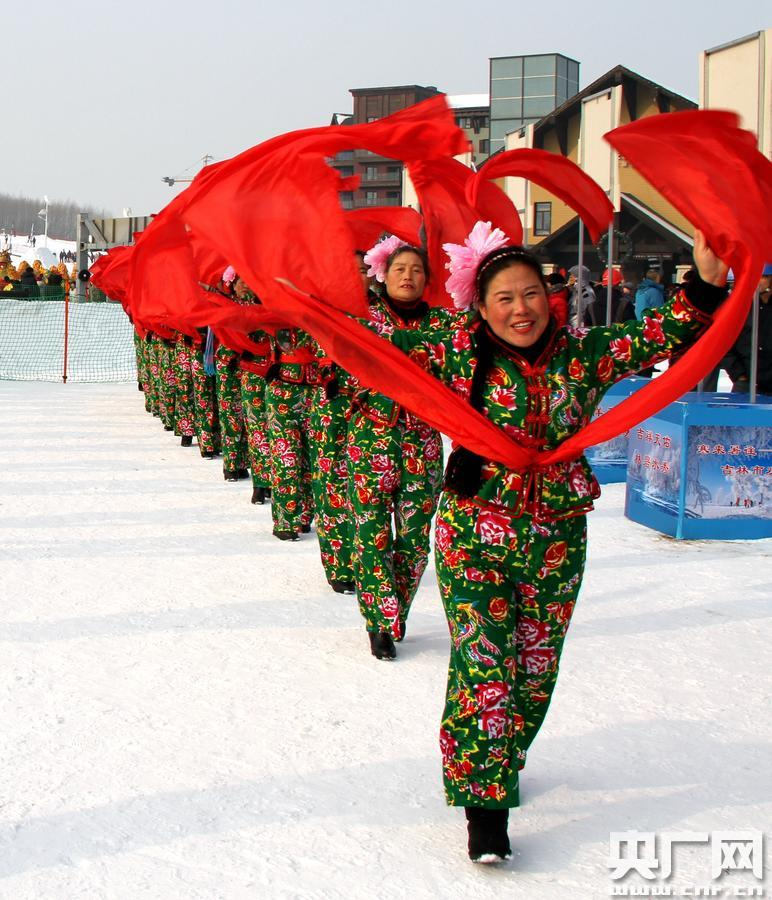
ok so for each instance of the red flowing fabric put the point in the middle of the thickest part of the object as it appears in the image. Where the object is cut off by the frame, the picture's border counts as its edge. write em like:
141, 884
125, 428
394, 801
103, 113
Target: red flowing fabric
209, 263
441, 186
382, 366
275, 210
368, 224
711, 171
559, 175
164, 288
426, 130
110, 273
708, 169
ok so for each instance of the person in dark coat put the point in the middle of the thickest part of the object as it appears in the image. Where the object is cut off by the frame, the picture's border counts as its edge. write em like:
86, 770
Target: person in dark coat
28, 284
738, 361
621, 307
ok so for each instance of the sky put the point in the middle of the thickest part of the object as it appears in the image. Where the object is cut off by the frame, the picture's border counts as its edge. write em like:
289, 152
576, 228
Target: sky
109, 98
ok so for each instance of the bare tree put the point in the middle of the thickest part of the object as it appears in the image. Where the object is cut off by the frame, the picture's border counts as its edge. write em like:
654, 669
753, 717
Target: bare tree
18, 214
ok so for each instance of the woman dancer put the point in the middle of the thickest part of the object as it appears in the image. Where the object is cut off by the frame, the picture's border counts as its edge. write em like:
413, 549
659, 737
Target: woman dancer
394, 462
510, 544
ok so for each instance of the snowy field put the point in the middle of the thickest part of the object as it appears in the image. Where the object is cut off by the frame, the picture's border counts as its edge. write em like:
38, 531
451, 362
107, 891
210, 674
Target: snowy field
188, 712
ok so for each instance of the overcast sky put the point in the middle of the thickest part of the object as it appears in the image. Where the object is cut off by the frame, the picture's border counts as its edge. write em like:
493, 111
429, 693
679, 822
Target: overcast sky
103, 99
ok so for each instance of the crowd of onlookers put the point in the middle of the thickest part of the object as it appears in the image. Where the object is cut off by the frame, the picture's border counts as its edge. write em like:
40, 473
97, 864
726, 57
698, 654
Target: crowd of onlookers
586, 304
27, 281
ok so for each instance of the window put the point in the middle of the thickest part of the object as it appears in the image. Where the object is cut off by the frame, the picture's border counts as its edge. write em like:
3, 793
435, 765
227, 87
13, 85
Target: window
347, 199
485, 146
539, 65
501, 127
539, 87
392, 198
506, 109
507, 87
371, 173
345, 171
507, 67
542, 218
537, 107
372, 119
371, 198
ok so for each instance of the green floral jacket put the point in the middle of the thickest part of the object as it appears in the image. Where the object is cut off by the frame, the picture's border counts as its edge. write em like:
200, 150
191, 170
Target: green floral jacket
543, 403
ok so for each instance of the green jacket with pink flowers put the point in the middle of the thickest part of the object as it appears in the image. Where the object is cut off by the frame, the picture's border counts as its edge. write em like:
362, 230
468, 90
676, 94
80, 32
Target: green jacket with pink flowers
543, 402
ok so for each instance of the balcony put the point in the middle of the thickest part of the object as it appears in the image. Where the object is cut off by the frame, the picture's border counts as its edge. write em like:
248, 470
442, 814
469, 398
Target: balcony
381, 178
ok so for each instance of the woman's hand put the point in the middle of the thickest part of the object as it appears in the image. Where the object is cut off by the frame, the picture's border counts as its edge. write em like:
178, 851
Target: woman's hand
709, 266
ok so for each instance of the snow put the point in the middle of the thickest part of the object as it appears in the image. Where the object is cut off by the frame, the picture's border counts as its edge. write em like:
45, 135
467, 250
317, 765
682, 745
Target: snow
189, 712
22, 249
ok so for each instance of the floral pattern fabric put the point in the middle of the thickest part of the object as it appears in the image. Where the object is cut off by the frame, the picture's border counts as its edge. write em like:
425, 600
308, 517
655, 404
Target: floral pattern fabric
230, 412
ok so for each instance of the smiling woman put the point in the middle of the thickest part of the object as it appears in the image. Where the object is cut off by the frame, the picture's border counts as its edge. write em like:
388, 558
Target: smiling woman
515, 304
510, 543
394, 462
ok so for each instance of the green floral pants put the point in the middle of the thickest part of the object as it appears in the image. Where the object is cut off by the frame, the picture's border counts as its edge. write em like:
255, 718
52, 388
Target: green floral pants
395, 474
509, 587
328, 430
288, 409
258, 448
230, 412
166, 383
184, 423
206, 421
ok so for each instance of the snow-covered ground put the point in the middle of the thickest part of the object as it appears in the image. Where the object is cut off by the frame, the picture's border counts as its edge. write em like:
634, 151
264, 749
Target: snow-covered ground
47, 251
186, 711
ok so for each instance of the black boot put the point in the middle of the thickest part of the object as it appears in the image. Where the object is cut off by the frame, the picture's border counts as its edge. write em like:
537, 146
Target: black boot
381, 645
258, 495
305, 529
186, 440
207, 454
488, 838
230, 474
267, 493
168, 428
344, 587
286, 535
243, 473
139, 386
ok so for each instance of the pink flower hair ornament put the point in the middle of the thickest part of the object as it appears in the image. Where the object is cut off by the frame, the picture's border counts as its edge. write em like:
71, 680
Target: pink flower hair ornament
465, 258
229, 275
377, 256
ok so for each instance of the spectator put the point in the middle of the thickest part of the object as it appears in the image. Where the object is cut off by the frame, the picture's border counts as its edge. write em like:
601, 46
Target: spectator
621, 307
28, 284
577, 305
650, 293
738, 361
558, 297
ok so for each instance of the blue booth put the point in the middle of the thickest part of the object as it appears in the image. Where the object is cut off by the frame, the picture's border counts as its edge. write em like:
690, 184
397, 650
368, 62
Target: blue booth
609, 459
702, 468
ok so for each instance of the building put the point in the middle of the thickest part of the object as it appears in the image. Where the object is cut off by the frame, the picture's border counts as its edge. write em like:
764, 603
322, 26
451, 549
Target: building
647, 229
738, 76
381, 178
524, 89
472, 113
